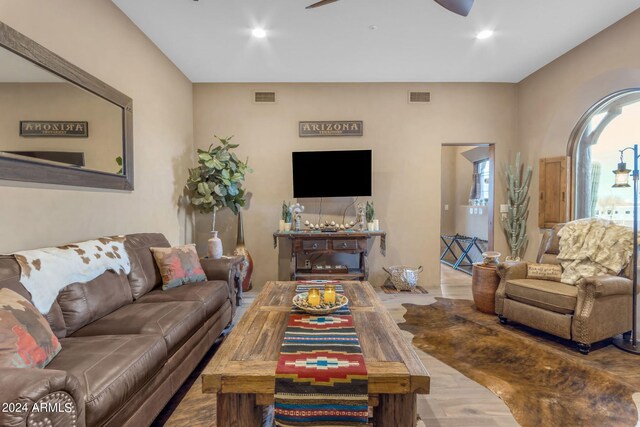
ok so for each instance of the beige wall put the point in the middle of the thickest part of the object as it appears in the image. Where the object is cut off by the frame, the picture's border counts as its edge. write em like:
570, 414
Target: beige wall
406, 142
552, 100
62, 101
96, 36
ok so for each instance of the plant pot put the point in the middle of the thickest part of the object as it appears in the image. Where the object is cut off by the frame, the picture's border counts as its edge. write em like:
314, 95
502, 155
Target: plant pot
281, 225
371, 226
287, 226
214, 246
376, 225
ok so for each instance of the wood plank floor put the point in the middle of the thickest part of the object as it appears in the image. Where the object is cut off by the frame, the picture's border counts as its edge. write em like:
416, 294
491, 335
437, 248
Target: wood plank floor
455, 400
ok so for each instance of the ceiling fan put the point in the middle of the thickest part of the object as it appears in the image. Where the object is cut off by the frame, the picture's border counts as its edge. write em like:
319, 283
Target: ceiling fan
461, 7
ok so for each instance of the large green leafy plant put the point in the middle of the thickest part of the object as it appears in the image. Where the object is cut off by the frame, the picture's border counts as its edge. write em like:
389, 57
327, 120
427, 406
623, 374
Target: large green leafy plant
217, 181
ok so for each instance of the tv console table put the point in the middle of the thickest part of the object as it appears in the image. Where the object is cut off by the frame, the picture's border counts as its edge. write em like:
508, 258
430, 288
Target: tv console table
339, 242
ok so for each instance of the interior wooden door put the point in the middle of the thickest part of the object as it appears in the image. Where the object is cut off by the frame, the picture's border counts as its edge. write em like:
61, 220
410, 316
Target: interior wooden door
553, 206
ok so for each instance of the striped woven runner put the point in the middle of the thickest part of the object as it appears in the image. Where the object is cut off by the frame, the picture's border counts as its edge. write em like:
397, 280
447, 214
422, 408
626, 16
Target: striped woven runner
321, 377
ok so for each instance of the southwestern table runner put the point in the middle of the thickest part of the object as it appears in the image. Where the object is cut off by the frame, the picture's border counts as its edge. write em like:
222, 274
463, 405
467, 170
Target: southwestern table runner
321, 377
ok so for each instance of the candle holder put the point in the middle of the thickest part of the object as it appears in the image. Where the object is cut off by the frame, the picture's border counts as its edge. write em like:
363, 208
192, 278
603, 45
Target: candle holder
314, 297
330, 294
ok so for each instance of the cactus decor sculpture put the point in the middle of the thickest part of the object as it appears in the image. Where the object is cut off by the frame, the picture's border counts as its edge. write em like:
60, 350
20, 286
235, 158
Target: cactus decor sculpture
514, 223
595, 186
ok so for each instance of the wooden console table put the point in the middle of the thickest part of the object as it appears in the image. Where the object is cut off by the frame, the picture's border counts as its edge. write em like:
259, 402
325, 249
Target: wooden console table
318, 242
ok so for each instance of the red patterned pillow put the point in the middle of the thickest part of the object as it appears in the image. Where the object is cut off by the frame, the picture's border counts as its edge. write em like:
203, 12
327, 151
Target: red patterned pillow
26, 339
178, 265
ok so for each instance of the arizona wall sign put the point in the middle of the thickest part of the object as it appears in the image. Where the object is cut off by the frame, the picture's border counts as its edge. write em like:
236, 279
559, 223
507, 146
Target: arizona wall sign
54, 128
333, 128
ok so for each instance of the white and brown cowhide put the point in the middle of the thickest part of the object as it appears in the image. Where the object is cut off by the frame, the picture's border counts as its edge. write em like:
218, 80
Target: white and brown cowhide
44, 272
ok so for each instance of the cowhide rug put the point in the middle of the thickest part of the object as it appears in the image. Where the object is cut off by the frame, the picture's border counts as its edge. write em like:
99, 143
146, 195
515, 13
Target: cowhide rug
542, 379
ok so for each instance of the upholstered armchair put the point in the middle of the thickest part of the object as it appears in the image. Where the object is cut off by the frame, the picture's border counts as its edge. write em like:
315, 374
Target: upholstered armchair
594, 309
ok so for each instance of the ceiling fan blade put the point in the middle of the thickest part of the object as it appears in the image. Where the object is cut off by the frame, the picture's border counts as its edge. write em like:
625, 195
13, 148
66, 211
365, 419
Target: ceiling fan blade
320, 3
461, 7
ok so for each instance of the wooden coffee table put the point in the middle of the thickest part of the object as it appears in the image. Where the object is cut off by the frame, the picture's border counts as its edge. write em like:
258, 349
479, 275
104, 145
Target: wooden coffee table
242, 372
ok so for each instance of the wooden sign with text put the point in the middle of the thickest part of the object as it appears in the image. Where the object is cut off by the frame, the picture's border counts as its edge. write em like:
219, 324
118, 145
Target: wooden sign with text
54, 128
333, 128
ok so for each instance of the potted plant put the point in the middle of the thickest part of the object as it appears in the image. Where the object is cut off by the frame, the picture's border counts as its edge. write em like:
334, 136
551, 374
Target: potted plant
217, 184
514, 223
370, 213
287, 220
283, 215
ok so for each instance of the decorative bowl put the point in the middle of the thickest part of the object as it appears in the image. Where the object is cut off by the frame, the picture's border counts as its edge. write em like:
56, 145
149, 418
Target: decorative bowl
491, 257
300, 301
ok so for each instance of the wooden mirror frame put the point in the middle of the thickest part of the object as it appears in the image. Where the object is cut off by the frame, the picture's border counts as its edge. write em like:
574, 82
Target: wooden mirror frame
18, 168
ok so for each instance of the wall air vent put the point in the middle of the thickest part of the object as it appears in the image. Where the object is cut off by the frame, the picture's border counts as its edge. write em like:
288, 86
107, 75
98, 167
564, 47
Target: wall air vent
264, 97
419, 97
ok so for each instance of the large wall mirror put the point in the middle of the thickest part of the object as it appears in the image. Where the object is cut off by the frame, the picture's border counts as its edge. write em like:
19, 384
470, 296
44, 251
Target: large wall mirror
59, 124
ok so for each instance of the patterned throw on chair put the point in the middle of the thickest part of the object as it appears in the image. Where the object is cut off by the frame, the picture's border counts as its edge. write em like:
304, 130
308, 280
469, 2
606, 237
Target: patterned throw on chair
321, 377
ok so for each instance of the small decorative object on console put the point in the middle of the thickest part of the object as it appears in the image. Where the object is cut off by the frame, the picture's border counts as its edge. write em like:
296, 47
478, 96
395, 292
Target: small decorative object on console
329, 269
360, 217
370, 214
296, 212
283, 215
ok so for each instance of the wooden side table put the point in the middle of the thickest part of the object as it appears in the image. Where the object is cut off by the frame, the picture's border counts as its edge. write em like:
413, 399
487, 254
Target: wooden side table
484, 283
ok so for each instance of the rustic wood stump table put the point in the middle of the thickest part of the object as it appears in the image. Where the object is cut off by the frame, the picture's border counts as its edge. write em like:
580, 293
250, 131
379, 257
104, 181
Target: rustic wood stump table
484, 284
242, 372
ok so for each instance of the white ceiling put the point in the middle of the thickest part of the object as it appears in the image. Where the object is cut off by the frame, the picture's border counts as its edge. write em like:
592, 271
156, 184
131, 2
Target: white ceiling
416, 40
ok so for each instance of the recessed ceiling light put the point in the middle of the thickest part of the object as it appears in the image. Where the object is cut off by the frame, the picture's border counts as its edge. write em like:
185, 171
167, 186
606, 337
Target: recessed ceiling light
485, 34
259, 33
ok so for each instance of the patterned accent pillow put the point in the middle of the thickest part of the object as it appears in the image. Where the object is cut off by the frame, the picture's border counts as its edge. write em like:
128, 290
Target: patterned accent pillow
544, 272
26, 339
178, 265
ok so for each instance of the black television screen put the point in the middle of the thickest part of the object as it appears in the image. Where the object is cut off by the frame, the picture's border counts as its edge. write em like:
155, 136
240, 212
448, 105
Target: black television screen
331, 173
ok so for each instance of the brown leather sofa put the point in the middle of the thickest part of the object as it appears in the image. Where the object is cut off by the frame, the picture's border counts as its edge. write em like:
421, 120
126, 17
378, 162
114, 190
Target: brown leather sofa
596, 308
127, 345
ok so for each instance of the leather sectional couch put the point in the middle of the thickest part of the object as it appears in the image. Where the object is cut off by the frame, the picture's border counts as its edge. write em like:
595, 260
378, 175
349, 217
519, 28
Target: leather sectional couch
127, 345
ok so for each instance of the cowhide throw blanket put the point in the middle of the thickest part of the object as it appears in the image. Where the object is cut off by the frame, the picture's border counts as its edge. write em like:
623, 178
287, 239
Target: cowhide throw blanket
593, 247
44, 272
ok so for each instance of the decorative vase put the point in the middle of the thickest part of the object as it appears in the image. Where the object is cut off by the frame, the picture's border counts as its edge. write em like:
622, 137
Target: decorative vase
371, 226
246, 267
287, 226
376, 225
491, 258
281, 225
215, 246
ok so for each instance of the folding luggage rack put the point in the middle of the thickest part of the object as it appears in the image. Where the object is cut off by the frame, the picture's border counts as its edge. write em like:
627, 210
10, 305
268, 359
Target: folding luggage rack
471, 249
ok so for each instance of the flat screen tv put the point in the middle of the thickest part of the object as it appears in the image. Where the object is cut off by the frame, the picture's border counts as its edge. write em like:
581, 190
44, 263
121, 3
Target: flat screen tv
331, 173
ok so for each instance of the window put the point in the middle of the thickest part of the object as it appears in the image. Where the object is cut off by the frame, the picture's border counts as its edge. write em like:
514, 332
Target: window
481, 176
611, 125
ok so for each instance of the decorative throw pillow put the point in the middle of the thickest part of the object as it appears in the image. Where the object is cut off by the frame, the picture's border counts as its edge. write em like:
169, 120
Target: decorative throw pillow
178, 265
26, 339
544, 271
